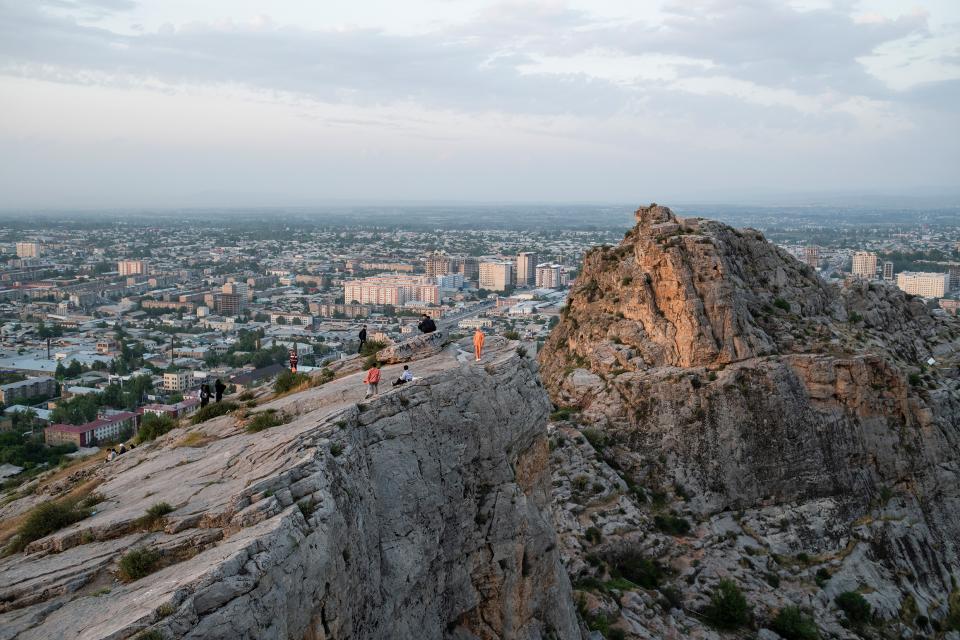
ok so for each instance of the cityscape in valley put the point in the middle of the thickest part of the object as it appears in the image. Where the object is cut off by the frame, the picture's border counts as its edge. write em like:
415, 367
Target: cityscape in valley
479, 320
106, 317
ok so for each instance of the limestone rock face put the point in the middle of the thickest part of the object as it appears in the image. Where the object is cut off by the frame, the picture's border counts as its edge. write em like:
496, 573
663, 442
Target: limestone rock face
715, 367
415, 348
417, 514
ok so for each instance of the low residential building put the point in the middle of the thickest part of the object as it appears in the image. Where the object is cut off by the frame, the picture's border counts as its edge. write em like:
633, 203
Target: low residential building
475, 323
178, 410
42, 387
257, 376
107, 429
177, 381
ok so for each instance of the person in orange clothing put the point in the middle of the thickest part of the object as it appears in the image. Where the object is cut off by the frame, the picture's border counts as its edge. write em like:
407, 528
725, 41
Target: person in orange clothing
372, 380
478, 339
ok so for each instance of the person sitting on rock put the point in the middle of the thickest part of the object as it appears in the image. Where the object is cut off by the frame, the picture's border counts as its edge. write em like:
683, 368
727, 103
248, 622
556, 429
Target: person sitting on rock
122, 449
111, 454
372, 379
405, 377
427, 325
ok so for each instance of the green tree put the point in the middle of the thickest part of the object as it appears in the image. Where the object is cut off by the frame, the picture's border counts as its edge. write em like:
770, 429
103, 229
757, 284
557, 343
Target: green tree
728, 608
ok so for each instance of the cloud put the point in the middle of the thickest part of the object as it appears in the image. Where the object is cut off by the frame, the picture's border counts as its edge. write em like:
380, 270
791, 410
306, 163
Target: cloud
723, 86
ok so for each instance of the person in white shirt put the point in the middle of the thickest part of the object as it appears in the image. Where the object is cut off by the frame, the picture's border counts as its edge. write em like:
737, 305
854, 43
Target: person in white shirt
405, 377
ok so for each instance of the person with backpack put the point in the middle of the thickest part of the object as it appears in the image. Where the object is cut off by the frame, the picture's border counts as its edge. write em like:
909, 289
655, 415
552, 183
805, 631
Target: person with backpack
204, 395
219, 388
372, 379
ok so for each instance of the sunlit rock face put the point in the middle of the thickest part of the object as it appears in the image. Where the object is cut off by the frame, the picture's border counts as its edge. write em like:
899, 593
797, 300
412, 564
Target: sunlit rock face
713, 363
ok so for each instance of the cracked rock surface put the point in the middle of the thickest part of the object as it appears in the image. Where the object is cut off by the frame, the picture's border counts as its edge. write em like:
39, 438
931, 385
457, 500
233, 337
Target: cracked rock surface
419, 513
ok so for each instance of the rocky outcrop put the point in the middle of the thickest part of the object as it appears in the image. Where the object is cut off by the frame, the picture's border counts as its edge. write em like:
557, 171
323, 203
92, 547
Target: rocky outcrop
415, 348
784, 414
417, 514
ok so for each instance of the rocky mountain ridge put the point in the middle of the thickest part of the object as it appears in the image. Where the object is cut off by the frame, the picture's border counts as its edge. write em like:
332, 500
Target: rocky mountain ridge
723, 383
420, 513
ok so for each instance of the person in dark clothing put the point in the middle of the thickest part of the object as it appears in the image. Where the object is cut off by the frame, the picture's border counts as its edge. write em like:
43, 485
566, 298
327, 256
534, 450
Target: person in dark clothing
204, 395
363, 338
427, 325
219, 388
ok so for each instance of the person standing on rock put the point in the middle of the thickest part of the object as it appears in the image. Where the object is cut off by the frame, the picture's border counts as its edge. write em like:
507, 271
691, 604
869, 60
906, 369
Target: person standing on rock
204, 395
372, 379
363, 338
219, 388
478, 339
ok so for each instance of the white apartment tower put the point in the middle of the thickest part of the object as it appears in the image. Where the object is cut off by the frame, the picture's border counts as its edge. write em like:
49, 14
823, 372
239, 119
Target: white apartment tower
549, 276
927, 285
496, 276
865, 264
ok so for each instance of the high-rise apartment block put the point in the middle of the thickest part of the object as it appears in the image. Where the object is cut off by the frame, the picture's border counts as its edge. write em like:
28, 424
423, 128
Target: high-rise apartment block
927, 285
438, 264
865, 264
469, 267
232, 299
132, 267
526, 268
29, 250
888, 270
496, 276
549, 276
396, 290
955, 276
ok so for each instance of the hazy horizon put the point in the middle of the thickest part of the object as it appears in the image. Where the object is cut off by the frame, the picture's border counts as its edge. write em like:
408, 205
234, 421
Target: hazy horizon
117, 104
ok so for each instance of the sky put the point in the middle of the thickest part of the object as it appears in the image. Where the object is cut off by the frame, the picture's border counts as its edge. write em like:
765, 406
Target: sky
182, 103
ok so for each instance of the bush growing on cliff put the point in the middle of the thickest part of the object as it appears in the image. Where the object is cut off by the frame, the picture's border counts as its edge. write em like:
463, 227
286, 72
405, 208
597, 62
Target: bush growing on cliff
47, 518
780, 303
265, 420
371, 347
672, 524
792, 624
153, 426
154, 515
728, 608
138, 563
854, 606
288, 380
636, 568
212, 411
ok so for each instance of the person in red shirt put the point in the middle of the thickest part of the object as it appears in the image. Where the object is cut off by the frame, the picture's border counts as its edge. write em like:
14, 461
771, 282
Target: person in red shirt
372, 379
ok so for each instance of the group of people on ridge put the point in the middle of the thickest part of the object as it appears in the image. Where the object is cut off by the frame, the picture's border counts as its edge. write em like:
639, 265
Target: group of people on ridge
218, 389
119, 450
426, 325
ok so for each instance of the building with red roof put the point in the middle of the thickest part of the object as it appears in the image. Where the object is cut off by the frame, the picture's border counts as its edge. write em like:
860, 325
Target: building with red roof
108, 428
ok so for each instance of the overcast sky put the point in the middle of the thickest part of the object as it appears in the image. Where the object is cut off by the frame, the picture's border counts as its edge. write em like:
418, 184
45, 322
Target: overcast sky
144, 103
